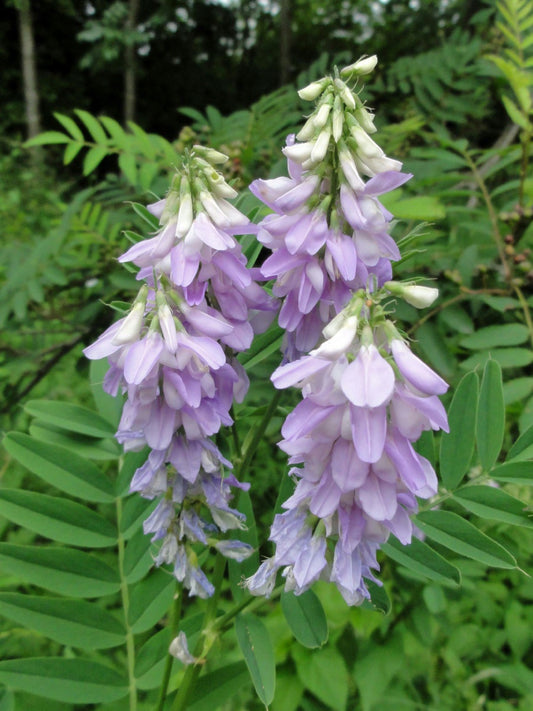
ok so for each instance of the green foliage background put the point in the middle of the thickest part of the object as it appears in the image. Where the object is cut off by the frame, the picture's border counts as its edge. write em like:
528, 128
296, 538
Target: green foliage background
452, 630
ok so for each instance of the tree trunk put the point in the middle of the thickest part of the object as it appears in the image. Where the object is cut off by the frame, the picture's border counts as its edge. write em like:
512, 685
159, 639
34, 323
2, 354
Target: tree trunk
129, 63
285, 42
29, 70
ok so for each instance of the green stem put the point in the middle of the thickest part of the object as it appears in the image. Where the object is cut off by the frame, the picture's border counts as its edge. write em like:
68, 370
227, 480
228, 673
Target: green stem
492, 216
526, 310
252, 603
257, 436
202, 647
124, 592
174, 622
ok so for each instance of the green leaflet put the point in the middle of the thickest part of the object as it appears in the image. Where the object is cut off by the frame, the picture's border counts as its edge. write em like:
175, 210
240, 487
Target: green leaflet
324, 673
150, 599
522, 443
493, 504
457, 447
60, 467
72, 418
62, 570
71, 622
137, 557
70, 680
491, 415
514, 473
463, 538
258, 653
217, 687
422, 560
87, 447
57, 518
510, 334
306, 618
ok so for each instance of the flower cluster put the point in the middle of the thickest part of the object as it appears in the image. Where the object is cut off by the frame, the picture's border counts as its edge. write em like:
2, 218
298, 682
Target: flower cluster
366, 396
173, 356
329, 234
366, 399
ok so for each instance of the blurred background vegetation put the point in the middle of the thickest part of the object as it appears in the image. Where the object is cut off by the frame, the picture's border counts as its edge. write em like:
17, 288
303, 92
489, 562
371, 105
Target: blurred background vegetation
118, 88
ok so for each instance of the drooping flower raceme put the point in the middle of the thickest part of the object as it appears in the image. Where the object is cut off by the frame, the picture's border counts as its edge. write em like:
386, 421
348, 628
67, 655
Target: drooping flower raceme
329, 233
366, 399
173, 357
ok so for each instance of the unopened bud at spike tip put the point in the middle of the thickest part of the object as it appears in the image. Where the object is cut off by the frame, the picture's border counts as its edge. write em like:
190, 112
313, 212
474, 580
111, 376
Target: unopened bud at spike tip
363, 66
312, 91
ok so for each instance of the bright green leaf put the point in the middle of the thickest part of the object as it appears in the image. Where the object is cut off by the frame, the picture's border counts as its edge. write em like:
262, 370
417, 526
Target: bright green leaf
457, 447
514, 473
256, 647
86, 447
62, 570
60, 467
75, 623
218, 687
423, 560
506, 357
72, 418
522, 443
47, 138
150, 599
76, 681
323, 672
57, 518
493, 504
93, 158
510, 334
306, 618
450, 530
93, 126
491, 415
70, 125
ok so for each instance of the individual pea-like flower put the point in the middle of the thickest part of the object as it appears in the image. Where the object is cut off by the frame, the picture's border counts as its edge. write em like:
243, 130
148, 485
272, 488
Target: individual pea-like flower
173, 356
366, 398
329, 233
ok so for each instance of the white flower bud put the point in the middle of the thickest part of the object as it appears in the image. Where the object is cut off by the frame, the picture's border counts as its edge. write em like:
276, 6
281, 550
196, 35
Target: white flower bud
363, 66
210, 154
321, 116
298, 152
185, 215
313, 90
367, 147
349, 169
180, 649
130, 329
340, 342
307, 131
338, 119
345, 94
418, 296
366, 119
321, 146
